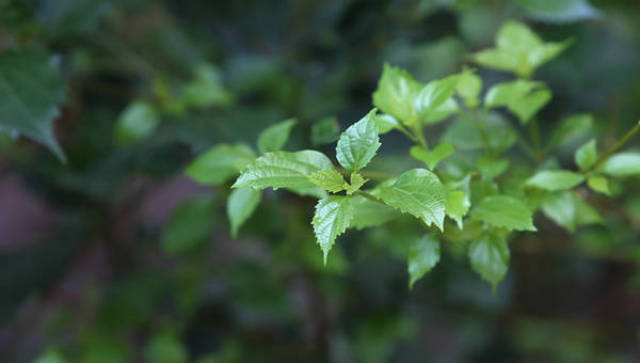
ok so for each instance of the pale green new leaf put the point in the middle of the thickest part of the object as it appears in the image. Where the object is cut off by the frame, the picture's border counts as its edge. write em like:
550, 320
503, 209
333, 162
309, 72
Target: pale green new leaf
282, 169
396, 93
448, 108
329, 180
332, 217
568, 210
432, 157
457, 205
220, 163
622, 164
31, 91
358, 144
572, 128
418, 192
586, 155
367, 213
526, 107
523, 98
599, 184
424, 254
464, 135
434, 94
206, 89
357, 181
491, 168
554, 180
504, 211
136, 122
240, 206
386, 123
275, 136
469, 87
489, 257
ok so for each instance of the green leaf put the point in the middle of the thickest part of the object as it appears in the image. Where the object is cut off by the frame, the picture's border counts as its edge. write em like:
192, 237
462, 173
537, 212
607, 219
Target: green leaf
457, 205
572, 128
136, 122
165, 347
491, 168
586, 155
206, 89
357, 181
31, 90
282, 169
395, 94
358, 144
432, 157
188, 226
489, 257
518, 50
554, 180
434, 94
329, 180
504, 211
464, 136
424, 254
599, 184
332, 217
469, 87
386, 123
622, 164
240, 206
420, 193
568, 210
367, 213
325, 131
448, 108
523, 98
559, 11
220, 163
275, 136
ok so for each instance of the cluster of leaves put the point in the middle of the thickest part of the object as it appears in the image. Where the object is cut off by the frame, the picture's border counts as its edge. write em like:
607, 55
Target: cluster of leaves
467, 192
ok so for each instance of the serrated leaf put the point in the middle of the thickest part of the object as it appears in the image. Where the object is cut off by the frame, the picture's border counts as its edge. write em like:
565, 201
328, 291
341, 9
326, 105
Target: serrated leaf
367, 213
240, 206
136, 122
504, 211
599, 184
418, 192
332, 217
554, 180
282, 169
586, 155
572, 128
489, 257
275, 136
569, 210
457, 205
518, 50
395, 94
358, 144
188, 226
424, 254
559, 11
31, 91
325, 131
622, 164
432, 157
329, 180
357, 181
220, 163
434, 94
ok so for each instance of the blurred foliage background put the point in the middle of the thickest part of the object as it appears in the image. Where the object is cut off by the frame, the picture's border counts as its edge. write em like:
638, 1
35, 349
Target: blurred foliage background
116, 256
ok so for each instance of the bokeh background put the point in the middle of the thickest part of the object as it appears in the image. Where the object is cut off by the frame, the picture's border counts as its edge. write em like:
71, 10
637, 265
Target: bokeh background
116, 256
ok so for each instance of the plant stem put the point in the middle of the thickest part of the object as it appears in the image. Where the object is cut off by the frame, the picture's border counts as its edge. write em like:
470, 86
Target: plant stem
408, 133
417, 129
631, 133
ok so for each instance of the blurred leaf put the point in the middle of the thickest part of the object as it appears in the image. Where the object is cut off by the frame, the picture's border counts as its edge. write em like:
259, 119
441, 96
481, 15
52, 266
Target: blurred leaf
434, 94
599, 184
571, 128
420, 193
281, 169
554, 180
332, 217
205, 90
469, 87
31, 90
396, 93
240, 206
358, 143
51, 355
622, 164
504, 211
568, 210
220, 163
491, 168
136, 122
489, 257
586, 155
274, 137
325, 131
464, 136
559, 11
386, 123
424, 254
523, 98
165, 347
188, 226
432, 157
448, 108
367, 213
